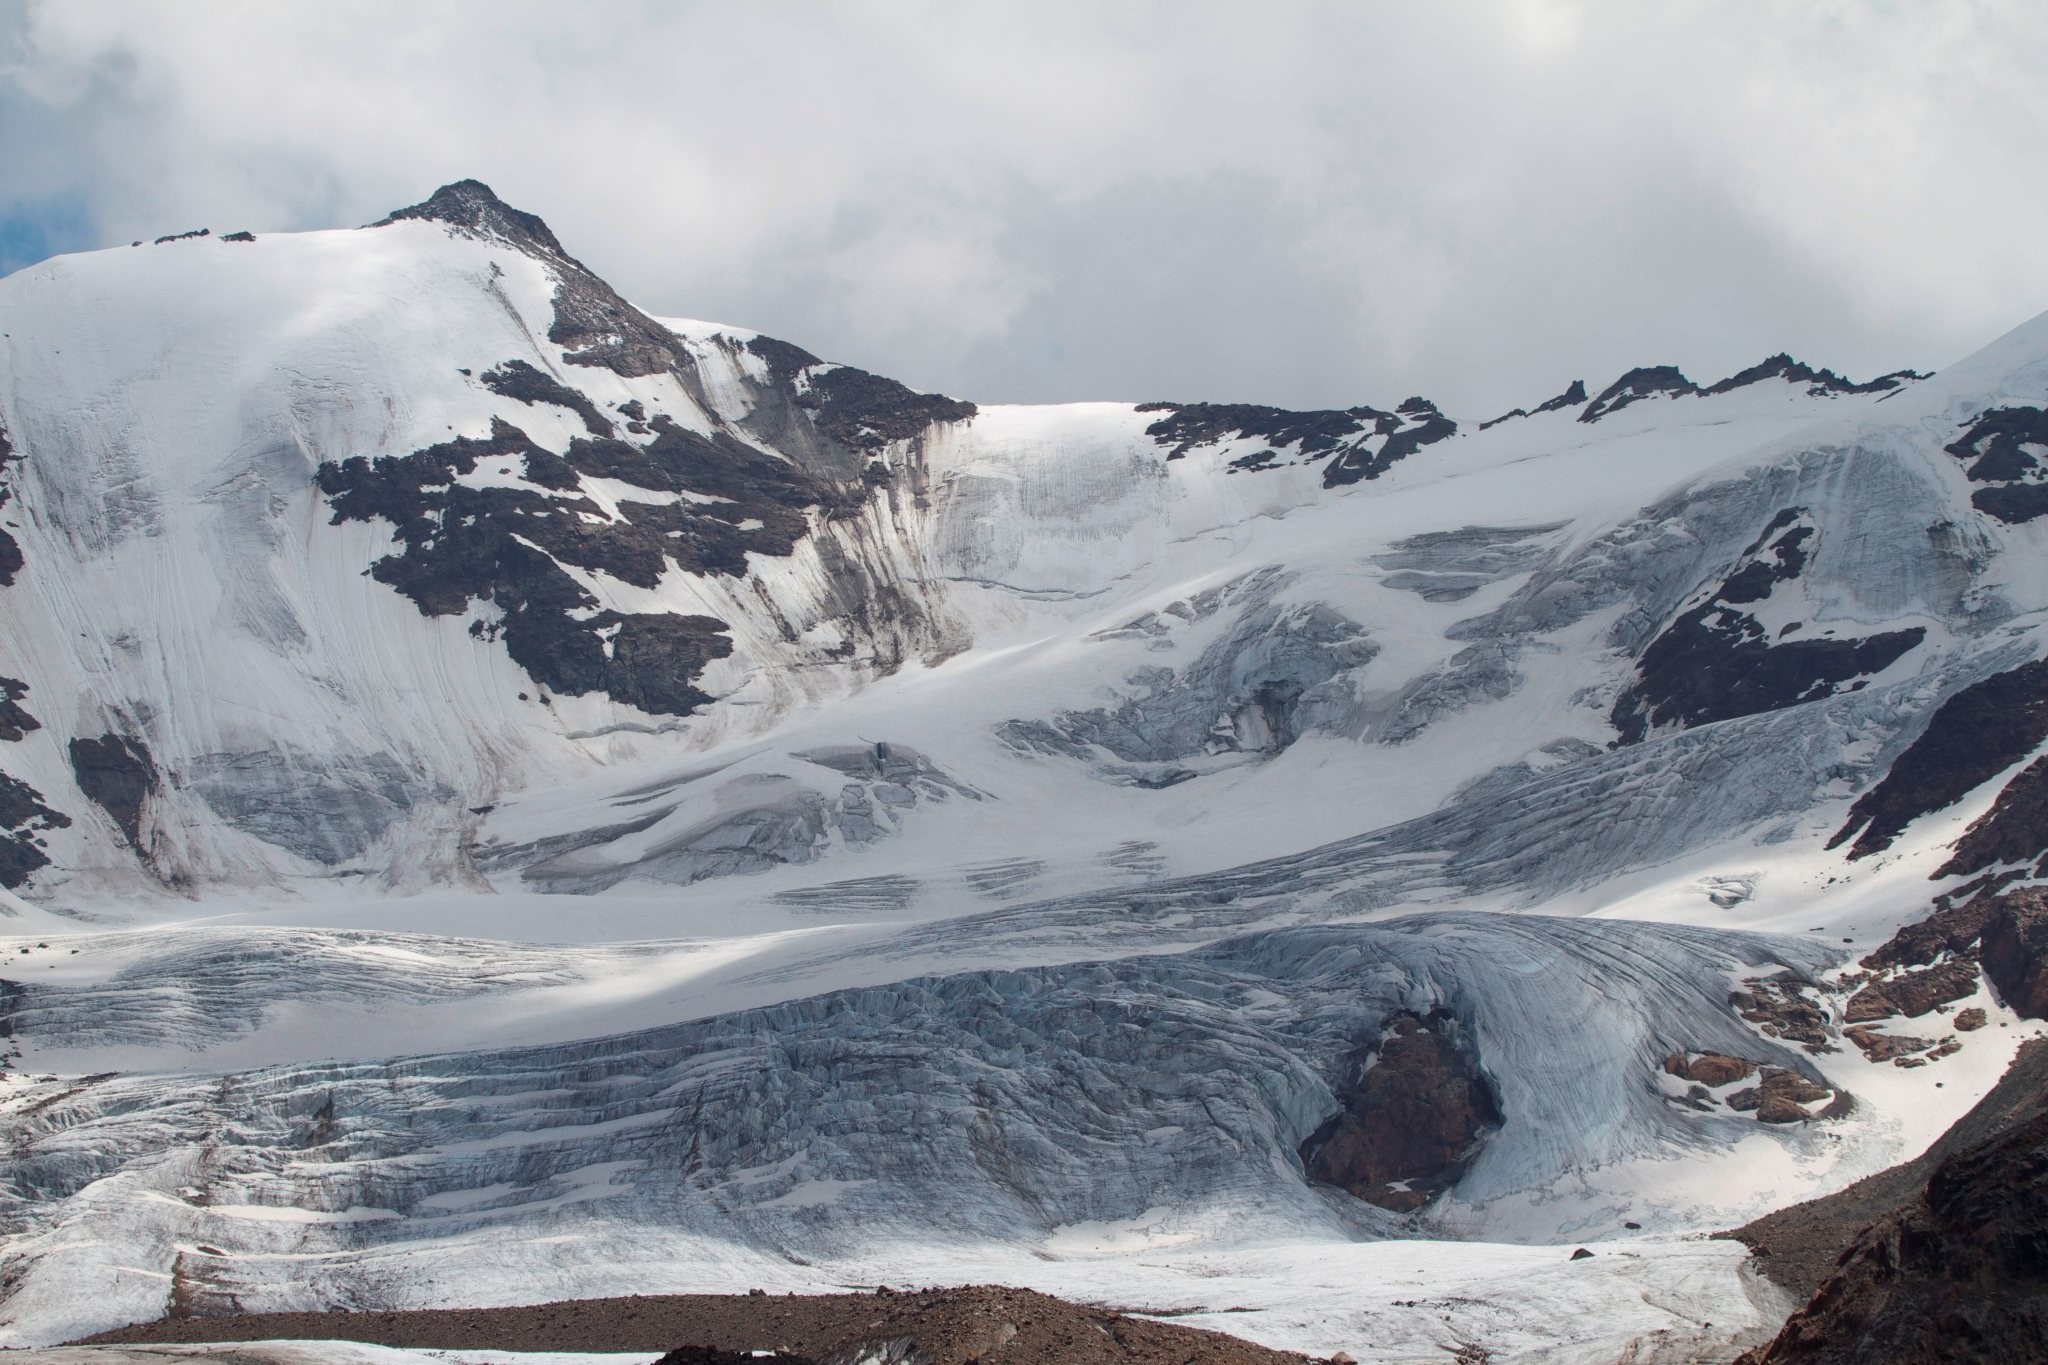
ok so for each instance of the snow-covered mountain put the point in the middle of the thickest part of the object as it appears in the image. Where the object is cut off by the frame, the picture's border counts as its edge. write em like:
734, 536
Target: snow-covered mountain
508, 795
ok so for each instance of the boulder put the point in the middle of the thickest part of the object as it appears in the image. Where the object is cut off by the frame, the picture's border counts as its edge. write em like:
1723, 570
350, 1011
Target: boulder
1415, 1107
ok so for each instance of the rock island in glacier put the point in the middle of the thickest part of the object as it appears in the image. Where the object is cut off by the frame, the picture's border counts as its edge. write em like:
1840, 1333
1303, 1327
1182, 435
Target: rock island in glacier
507, 798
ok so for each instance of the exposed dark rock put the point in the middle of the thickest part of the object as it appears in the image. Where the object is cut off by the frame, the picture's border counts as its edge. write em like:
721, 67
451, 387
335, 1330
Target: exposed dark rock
1423, 425
1187, 427
1709, 1068
1995, 446
23, 820
116, 772
1954, 927
592, 322
239, 237
1780, 1096
2014, 830
1650, 380
465, 544
1349, 435
181, 236
1818, 382
1781, 1009
1716, 662
1416, 1108
1800, 1246
1958, 1273
1972, 737
517, 379
472, 206
1971, 1019
2013, 503
14, 721
1913, 993
861, 411
1570, 398
10, 549
724, 497
2007, 933
1879, 1046
2014, 951
848, 407
1638, 384
1784, 1095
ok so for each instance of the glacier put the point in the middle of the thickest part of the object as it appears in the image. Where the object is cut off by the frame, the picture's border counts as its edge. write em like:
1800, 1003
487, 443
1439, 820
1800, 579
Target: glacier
509, 795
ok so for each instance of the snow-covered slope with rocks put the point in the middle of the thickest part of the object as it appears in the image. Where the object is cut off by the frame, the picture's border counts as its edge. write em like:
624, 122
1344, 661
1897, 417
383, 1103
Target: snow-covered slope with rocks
499, 789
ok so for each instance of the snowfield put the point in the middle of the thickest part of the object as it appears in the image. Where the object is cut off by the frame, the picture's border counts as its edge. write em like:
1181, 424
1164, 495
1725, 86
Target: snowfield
677, 815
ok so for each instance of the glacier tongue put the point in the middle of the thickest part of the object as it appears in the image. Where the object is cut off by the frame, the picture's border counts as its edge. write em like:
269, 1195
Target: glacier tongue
984, 1106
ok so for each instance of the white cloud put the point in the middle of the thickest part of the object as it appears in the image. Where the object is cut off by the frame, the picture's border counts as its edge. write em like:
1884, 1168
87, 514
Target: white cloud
1313, 203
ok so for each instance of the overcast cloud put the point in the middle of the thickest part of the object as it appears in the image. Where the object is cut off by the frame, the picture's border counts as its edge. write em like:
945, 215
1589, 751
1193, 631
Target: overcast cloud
1300, 204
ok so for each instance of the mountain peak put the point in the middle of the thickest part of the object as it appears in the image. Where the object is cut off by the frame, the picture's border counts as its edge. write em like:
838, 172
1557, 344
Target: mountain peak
475, 207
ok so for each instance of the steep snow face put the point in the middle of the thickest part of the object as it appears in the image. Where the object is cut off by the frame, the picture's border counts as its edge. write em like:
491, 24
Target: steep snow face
344, 533
792, 808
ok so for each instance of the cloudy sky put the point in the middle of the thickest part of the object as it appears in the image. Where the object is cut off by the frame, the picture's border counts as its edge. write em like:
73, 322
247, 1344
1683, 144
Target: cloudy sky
1301, 204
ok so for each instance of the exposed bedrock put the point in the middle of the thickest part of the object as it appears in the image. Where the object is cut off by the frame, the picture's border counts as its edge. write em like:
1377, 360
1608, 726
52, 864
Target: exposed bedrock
1667, 380
1958, 1273
1416, 1106
1926, 964
1970, 738
2001, 449
1359, 443
117, 773
501, 521
1694, 578
10, 548
24, 820
1718, 660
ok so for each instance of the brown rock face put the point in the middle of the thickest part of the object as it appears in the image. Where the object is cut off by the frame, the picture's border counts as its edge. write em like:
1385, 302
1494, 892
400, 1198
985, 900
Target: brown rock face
1915, 992
1885, 1047
1782, 1010
1958, 1274
1780, 1096
1713, 1069
1970, 1020
1869, 1005
1415, 1108
1778, 1109
2014, 950
2007, 934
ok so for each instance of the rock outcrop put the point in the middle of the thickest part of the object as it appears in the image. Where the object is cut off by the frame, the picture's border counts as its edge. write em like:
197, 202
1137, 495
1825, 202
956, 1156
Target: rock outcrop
1960, 1273
1415, 1108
